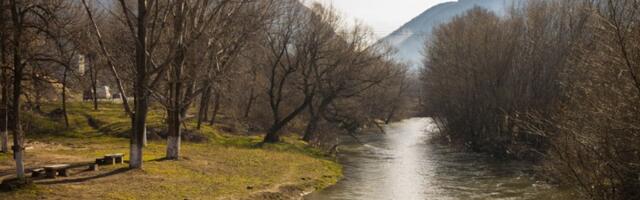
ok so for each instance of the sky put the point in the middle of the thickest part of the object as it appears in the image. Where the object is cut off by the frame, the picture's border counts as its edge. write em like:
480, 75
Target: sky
384, 16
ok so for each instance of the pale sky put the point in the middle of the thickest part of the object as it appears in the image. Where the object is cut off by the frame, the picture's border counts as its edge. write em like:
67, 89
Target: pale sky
384, 16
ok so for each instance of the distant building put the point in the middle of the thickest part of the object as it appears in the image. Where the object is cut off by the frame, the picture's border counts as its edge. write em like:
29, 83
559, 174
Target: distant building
103, 92
81, 65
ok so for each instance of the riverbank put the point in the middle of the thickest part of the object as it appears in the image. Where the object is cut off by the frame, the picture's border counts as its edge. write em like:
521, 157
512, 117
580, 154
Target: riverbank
224, 166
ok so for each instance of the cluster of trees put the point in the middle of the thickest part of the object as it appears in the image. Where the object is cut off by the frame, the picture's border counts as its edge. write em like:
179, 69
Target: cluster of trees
269, 64
554, 81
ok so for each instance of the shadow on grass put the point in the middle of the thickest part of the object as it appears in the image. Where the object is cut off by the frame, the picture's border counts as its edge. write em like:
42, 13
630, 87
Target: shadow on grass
83, 179
6, 172
159, 160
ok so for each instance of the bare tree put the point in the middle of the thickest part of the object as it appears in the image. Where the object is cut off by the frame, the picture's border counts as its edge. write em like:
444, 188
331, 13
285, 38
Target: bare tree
352, 69
4, 135
141, 95
18, 11
141, 81
62, 32
196, 23
93, 78
141, 70
554, 81
285, 64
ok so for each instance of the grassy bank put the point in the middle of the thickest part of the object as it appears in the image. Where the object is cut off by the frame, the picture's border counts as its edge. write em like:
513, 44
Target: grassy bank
226, 167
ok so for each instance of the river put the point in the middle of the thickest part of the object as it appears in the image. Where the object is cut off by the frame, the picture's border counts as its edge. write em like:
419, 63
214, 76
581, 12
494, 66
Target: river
403, 165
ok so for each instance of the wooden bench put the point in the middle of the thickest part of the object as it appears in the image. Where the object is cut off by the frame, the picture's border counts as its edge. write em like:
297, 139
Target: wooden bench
113, 159
6, 178
52, 171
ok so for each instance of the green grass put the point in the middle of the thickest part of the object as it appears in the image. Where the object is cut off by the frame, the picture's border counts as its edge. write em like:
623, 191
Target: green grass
4, 158
222, 168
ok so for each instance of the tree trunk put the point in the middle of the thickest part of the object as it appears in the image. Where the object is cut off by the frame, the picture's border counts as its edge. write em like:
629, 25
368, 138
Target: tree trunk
64, 98
18, 68
94, 84
205, 111
136, 143
204, 107
138, 129
252, 98
141, 95
4, 130
216, 107
4, 135
145, 142
273, 135
394, 107
309, 133
174, 113
390, 115
184, 103
173, 136
174, 110
37, 88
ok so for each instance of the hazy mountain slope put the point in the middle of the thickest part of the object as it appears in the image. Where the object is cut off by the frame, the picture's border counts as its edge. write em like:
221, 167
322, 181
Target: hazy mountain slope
409, 39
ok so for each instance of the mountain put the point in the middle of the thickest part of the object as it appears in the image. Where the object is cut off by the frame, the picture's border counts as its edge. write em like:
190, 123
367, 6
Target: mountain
409, 39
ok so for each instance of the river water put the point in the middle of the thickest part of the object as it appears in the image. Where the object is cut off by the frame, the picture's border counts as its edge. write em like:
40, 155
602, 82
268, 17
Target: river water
403, 165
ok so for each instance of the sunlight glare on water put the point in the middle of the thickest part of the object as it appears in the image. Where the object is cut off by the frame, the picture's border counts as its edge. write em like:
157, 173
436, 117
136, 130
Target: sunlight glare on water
403, 165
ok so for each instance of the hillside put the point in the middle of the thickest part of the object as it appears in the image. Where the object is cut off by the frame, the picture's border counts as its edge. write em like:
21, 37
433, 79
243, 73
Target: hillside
410, 38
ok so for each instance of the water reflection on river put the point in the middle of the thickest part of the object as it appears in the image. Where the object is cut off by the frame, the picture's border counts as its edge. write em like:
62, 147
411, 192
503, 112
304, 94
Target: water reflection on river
403, 165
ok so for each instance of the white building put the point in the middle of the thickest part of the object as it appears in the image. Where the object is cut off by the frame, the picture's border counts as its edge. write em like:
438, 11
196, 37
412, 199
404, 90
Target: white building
81, 65
104, 92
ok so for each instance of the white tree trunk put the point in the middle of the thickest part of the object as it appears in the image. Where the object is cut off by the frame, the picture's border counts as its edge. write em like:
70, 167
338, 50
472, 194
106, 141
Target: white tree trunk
135, 150
144, 136
135, 156
173, 135
19, 156
173, 147
142, 104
